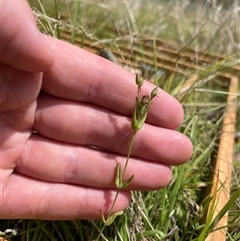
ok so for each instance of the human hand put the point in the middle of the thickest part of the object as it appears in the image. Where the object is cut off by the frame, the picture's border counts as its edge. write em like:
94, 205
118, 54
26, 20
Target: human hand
56, 103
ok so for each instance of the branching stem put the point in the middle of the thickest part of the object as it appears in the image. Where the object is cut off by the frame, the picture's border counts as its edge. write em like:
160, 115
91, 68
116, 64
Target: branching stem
138, 119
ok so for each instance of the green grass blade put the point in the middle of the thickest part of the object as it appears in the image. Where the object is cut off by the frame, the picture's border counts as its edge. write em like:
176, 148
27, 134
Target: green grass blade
225, 209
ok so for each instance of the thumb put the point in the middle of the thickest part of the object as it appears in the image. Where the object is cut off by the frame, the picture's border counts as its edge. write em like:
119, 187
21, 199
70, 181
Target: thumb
22, 45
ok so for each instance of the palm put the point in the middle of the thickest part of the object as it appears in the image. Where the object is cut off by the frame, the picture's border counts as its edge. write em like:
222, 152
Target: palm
19, 96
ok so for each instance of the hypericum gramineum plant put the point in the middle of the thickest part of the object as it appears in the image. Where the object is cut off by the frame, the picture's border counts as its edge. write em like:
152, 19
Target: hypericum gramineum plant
139, 116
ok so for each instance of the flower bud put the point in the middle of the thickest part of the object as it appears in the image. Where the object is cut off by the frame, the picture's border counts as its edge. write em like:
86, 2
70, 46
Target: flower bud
139, 80
154, 92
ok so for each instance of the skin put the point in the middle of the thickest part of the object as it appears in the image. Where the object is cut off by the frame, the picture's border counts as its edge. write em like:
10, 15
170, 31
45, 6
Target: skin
74, 100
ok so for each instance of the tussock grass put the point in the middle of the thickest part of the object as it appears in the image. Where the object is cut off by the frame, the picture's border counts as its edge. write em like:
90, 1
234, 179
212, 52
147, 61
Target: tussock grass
174, 212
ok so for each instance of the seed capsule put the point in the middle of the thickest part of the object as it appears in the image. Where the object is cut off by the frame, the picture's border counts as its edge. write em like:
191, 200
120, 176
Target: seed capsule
145, 99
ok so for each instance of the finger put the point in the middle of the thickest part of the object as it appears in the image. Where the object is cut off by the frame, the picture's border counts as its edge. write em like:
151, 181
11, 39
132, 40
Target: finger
18, 90
29, 198
87, 125
62, 163
82, 76
22, 45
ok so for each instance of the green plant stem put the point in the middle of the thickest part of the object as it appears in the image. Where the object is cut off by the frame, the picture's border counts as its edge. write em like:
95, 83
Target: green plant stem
129, 153
138, 119
122, 177
124, 171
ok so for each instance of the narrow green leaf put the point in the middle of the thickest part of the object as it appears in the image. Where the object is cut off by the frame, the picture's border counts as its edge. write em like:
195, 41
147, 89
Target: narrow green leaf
128, 181
118, 180
227, 206
150, 233
142, 121
102, 217
134, 120
112, 217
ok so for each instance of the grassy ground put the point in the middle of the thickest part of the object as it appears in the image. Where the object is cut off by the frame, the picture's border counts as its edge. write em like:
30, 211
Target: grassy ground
174, 212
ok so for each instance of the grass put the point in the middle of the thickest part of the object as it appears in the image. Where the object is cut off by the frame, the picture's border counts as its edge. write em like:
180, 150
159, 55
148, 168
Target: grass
177, 213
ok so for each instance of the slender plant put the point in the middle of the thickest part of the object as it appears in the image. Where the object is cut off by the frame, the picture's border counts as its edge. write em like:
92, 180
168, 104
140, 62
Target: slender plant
139, 116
